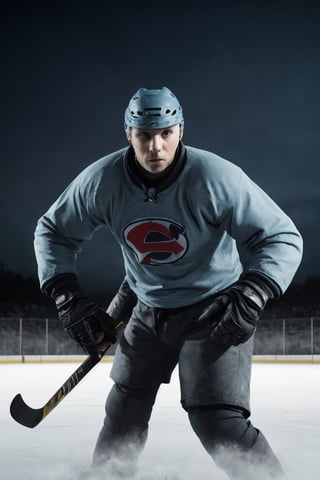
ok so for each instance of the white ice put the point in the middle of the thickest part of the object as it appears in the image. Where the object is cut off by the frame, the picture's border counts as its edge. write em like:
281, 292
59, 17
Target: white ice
285, 401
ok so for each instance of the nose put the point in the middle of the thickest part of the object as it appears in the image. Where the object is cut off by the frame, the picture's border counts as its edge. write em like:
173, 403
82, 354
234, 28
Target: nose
155, 143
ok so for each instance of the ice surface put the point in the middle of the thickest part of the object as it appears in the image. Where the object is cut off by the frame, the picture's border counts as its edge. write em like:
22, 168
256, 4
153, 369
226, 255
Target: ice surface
285, 400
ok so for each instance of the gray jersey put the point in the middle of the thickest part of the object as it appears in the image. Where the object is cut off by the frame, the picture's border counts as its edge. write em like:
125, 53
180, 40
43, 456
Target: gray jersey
194, 239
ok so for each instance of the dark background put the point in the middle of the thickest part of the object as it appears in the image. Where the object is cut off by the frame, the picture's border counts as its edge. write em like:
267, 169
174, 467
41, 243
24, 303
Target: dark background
247, 75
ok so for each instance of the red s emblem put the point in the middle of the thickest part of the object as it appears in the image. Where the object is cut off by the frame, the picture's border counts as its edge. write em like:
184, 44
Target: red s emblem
156, 241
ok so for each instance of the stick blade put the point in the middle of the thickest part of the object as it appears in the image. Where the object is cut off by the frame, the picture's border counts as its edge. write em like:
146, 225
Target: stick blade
23, 414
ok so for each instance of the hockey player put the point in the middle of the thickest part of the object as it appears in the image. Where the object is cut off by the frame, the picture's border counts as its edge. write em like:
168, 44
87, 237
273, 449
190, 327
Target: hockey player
204, 249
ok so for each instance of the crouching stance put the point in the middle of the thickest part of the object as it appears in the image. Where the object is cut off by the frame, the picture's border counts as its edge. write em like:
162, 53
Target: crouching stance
214, 379
204, 249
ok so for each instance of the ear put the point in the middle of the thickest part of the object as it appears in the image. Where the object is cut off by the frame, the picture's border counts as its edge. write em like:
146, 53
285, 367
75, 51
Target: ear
181, 133
128, 135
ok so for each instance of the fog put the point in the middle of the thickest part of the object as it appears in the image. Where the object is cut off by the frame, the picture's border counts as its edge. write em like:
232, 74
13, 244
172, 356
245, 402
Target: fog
285, 407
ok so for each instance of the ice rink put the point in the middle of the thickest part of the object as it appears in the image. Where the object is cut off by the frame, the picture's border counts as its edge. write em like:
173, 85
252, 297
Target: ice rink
285, 404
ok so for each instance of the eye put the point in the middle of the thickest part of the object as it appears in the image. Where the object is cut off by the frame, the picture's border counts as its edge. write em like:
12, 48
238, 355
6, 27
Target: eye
167, 132
144, 136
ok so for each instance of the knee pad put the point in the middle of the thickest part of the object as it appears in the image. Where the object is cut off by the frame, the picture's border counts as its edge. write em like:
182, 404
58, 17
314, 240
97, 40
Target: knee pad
219, 427
216, 426
126, 405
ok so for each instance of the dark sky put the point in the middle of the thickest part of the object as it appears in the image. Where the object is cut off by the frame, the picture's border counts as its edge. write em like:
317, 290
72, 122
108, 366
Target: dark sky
246, 73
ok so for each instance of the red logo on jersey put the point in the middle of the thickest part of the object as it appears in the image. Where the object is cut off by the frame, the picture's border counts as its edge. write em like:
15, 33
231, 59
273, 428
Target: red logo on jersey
156, 241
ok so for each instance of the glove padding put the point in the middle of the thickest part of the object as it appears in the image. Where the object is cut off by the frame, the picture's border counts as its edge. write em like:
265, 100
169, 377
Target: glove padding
86, 323
236, 311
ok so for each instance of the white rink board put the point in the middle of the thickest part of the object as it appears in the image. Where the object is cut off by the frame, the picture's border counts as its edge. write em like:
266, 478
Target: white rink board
285, 406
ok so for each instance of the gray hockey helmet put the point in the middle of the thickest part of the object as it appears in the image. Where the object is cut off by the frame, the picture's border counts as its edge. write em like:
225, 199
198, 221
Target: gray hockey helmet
151, 109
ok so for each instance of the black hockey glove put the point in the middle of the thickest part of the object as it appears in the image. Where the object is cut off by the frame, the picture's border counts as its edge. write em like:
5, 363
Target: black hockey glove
236, 311
87, 324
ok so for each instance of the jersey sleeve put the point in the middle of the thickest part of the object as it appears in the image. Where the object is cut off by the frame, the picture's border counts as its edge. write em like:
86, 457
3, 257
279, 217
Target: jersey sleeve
61, 232
267, 239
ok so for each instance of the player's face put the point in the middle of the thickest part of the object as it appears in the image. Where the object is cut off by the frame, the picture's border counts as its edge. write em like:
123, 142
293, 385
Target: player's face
155, 149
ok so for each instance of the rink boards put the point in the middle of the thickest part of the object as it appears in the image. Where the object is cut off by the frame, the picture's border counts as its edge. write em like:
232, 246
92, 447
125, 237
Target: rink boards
109, 358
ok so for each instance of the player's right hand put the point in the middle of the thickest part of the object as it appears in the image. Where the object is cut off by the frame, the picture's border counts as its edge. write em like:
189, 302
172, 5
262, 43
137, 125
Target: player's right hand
88, 325
85, 322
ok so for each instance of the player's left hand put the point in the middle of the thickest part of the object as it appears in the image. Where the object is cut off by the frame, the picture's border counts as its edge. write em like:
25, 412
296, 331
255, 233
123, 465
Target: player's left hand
236, 312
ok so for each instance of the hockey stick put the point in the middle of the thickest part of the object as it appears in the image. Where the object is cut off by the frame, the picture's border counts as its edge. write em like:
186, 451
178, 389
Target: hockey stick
31, 417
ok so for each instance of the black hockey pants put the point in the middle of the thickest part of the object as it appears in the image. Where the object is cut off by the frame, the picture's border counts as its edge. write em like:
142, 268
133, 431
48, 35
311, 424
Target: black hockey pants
125, 429
229, 438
